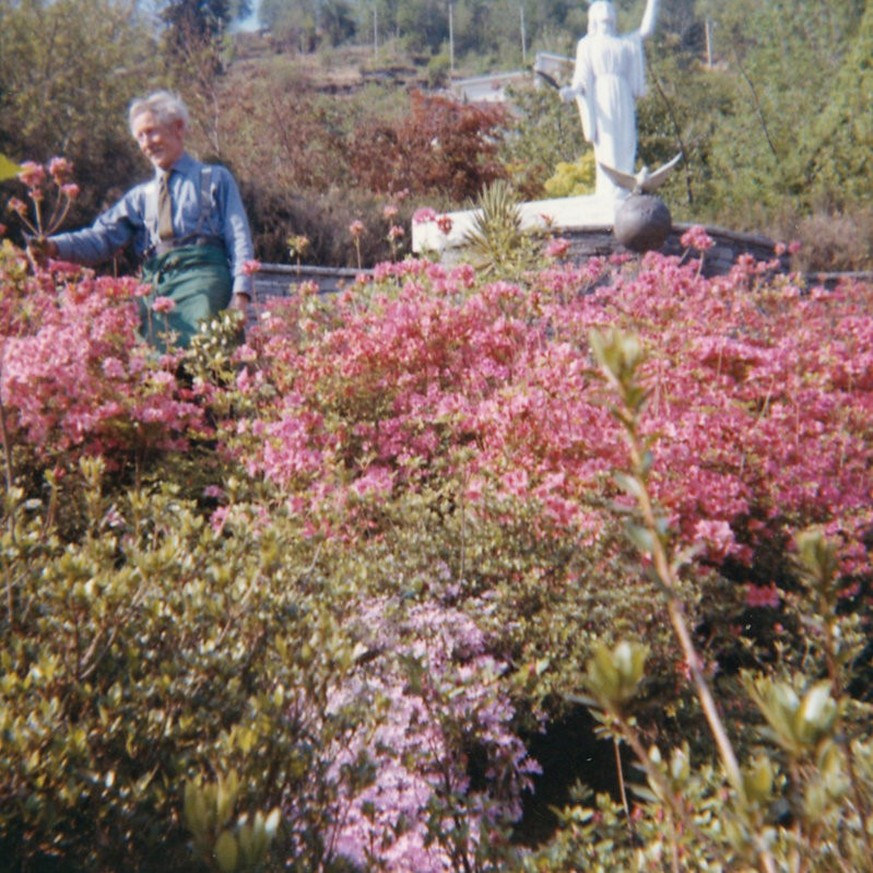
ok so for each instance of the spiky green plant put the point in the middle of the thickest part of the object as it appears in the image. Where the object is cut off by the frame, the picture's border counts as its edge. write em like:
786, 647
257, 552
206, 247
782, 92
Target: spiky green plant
497, 243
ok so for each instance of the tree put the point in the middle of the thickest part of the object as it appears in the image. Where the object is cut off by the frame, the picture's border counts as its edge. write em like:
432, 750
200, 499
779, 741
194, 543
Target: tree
306, 23
840, 168
68, 70
440, 148
202, 19
749, 142
424, 24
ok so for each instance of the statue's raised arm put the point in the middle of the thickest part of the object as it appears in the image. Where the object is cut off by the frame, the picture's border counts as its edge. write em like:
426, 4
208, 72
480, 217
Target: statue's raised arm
608, 78
650, 19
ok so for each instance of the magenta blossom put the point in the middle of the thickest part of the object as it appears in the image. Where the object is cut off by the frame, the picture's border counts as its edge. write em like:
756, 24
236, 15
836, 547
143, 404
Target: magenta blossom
61, 171
356, 228
558, 248
423, 215
697, 238
32, 174
163, 305
763, 595
444, 223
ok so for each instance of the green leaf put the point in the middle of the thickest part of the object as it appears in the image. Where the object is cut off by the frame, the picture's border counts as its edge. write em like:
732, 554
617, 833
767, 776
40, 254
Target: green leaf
226, 852
8, 169
642, 538
629, 484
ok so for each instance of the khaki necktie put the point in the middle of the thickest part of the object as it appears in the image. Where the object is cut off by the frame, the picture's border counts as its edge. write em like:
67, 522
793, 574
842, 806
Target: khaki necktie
165, 208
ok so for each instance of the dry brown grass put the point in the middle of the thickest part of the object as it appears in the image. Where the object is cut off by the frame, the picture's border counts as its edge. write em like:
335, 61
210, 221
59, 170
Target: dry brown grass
832, 241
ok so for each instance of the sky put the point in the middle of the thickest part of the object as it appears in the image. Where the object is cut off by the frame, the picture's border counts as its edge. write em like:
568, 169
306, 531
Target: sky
251, 22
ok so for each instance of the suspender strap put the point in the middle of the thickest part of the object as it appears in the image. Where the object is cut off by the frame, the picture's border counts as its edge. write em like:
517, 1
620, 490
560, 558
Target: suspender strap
205, 198
151, 212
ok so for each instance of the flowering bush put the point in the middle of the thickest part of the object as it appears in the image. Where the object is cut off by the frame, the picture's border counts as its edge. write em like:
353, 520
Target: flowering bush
759, 411
74, 376
447, 769
407, 547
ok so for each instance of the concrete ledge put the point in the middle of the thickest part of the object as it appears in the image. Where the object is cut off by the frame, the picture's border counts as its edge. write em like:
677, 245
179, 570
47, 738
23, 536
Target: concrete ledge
587, 223
564, 213
586, 241
275, 280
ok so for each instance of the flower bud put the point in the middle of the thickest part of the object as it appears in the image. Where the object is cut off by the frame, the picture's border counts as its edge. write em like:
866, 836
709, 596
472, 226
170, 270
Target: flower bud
615, 674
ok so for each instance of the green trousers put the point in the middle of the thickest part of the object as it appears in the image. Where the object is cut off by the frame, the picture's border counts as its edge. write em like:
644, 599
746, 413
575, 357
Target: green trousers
198, 282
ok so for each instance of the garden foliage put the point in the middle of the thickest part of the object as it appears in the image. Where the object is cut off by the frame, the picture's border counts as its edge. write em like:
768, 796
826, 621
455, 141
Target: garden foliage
302, 602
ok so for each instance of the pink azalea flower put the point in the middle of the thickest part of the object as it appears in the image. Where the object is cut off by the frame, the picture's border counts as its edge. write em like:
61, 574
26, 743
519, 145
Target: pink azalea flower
163, 305
70, 190
249, 268
557, 248
113, 368
18, 206
32, 174
717, 535
762, 596
390, 211
377, 481
396, 232
423, 215
356, 228
444, 223
697, 238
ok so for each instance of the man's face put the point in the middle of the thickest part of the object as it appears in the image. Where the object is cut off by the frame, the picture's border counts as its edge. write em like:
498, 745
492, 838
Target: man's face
162, 144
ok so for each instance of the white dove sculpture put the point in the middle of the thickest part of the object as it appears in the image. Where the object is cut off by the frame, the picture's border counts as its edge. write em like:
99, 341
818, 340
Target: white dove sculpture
644, 181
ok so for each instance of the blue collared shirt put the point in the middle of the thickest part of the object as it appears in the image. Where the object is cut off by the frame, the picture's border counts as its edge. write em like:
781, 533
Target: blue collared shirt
131, 220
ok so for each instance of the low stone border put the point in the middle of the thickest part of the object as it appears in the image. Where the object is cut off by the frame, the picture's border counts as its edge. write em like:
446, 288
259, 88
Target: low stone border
276, 280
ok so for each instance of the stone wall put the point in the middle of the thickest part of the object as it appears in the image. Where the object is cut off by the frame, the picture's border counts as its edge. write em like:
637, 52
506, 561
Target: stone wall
275, 280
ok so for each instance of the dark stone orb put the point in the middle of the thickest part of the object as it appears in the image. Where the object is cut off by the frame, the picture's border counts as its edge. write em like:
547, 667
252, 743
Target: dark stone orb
642, 223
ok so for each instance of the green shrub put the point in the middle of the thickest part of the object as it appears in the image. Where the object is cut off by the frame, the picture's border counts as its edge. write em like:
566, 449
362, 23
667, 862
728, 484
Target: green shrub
155, 651
572, 179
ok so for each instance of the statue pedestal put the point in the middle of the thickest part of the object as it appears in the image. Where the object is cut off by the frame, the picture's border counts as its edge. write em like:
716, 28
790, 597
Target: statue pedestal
559, 215
591, 224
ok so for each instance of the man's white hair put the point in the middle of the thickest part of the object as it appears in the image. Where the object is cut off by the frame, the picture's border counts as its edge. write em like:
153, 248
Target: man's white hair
164, 105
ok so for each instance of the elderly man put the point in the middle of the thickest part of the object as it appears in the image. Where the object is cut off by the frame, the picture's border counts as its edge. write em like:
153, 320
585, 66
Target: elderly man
187, 224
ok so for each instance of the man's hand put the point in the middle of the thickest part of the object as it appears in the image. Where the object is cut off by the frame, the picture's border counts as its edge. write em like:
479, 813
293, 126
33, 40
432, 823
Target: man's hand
240, 301
40, 249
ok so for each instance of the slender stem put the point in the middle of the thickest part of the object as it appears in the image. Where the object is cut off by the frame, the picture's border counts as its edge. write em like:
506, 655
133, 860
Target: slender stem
676, 611
622, 377
10, 478
832, 661
7, 450
619, 769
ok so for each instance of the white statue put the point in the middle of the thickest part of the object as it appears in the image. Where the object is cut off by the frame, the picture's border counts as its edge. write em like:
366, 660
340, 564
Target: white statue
608, 78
